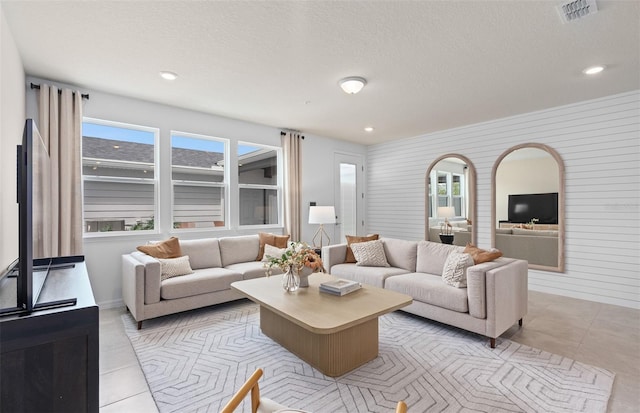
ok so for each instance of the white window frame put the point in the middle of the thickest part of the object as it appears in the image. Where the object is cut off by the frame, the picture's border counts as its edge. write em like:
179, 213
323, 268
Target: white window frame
434, 196
447, 195
278, 187
463, 201
224, 184
155, 181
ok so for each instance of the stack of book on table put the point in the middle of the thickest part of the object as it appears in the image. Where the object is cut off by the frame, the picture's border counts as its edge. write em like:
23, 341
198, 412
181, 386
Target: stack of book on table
339, 287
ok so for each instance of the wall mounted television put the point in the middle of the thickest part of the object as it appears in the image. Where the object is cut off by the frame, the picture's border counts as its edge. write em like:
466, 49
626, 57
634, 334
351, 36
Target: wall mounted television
22, 282
525, 207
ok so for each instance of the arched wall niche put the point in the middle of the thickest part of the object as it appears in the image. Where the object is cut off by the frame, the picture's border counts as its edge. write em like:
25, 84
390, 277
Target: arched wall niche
529, 170
462, 233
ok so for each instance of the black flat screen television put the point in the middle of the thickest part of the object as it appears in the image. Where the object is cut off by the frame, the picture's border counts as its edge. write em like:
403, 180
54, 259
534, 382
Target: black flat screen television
34, 226
27, 275
525, 207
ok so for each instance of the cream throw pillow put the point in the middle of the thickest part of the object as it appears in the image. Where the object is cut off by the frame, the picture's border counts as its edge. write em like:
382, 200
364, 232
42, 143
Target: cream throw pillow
352, 239
173, 267
271, 251
369, 254
266, 238
455, 269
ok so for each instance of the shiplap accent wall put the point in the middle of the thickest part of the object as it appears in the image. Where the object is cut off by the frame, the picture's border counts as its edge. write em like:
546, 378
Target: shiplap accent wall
599, 141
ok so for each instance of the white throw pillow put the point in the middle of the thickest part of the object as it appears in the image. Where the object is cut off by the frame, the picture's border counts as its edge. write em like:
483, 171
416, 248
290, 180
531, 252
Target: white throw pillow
173, 267
370, 254
455, 269
271, 251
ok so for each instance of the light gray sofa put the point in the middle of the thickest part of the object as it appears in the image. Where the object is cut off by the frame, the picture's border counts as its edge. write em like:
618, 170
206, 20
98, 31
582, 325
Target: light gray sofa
216, 263
535, 246
460, 236
461, 231
494, 300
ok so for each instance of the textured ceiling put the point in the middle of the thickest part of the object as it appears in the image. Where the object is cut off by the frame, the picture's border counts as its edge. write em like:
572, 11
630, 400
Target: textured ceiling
430, 65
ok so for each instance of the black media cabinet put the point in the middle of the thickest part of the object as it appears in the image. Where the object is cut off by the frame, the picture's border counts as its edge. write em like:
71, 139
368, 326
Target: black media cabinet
49, 358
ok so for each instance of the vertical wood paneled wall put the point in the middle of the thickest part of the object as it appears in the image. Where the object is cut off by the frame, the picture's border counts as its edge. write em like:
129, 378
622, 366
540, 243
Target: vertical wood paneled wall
599, 141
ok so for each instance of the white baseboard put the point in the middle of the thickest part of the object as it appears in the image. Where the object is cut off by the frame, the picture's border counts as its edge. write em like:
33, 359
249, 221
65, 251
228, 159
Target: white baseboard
105, 305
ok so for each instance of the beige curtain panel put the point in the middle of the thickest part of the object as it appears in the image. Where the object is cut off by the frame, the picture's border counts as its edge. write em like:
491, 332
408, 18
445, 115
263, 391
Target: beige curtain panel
292, 185
60, 125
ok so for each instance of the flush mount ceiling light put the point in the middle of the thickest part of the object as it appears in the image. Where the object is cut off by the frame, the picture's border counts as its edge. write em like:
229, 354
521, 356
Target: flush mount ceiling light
368, 129
168, 75
352, 85
593, 70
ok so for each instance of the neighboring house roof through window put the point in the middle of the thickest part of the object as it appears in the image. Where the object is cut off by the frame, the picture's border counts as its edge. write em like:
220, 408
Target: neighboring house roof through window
99, 148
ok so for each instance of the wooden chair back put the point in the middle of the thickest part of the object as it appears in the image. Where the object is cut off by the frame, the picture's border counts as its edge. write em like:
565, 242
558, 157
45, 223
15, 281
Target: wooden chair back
250, 385
401, 407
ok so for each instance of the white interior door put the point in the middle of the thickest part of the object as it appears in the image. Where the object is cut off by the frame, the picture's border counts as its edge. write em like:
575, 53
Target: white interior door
349, 196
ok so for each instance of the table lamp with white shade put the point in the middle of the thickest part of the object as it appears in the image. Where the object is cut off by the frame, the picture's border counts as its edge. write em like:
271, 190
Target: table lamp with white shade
321, 215
446, 235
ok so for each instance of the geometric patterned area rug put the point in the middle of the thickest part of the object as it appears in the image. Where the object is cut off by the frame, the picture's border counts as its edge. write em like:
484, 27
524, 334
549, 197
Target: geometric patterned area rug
195, 361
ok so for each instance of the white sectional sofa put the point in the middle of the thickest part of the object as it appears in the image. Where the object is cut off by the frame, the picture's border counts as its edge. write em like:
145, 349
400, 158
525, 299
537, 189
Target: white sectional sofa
494, 300
216, 263
495, 297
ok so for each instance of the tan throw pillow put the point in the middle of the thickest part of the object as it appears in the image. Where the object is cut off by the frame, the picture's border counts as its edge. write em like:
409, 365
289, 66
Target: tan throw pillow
166, 249
173, 267
455, 269
369, 254
479, 255
279, 241
349, 257
271, 251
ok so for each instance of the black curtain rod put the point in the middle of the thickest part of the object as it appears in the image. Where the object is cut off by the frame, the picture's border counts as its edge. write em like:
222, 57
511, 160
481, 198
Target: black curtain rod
282, 133
84, 96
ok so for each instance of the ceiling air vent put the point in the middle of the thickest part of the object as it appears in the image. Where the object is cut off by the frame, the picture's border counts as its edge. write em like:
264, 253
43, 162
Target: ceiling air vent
577, 9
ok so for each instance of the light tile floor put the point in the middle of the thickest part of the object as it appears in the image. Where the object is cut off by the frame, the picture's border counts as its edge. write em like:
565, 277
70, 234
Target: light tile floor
603, 335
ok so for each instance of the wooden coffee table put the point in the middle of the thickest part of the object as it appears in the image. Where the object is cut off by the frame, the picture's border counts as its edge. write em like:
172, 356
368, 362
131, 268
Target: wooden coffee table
333, 334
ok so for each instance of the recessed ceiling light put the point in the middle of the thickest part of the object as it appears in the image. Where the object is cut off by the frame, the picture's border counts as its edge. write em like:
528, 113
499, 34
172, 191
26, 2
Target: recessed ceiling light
168, 75
352, 85
593, 70
368, 129
116, 146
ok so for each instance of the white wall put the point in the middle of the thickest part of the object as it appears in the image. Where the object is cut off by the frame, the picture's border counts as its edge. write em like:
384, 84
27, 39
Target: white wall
524, 176
599, 141
103, 254
12, 118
